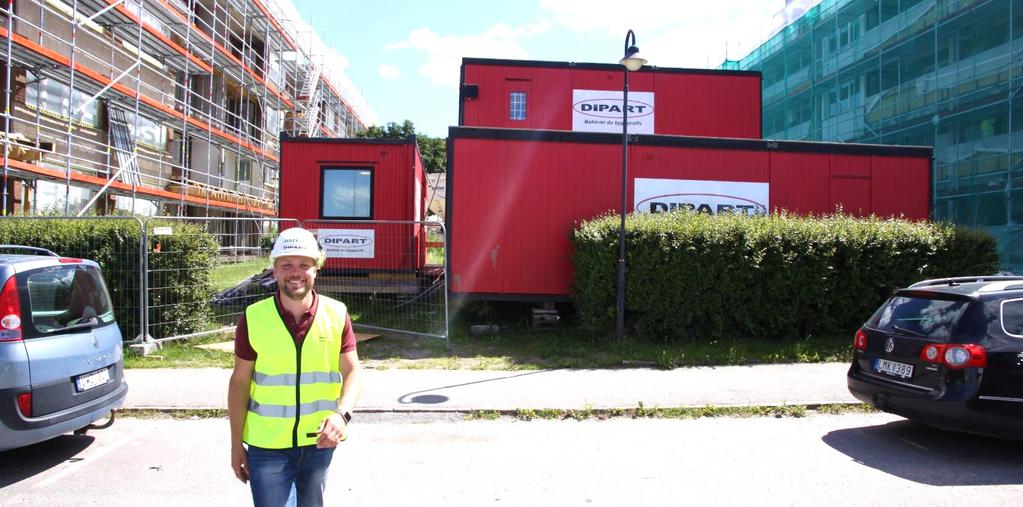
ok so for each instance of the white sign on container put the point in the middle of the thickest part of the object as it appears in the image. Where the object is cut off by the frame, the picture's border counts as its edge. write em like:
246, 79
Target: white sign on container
653, 195
348, 243
601, 111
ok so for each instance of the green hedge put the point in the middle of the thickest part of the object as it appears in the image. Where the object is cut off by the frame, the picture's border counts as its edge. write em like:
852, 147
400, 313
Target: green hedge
697, 276
179, 297
180, 278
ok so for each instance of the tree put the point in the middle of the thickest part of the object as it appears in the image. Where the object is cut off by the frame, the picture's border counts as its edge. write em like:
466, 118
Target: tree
434, 150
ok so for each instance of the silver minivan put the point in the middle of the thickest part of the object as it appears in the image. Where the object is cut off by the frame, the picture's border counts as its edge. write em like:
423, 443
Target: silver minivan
61, 356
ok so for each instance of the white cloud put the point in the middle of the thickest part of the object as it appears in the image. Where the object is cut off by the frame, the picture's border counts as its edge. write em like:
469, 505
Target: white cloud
444, 53
388, 71
671, 33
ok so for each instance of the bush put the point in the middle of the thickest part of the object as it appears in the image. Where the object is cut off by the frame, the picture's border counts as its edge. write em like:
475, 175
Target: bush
697, 276
179, 297
180, 279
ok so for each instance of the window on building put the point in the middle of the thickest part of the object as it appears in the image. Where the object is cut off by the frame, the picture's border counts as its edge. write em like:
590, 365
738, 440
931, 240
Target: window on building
517, 105
1017, 205
347, 192
147, 132
274, 122
991, 209
243, 175
52, 97
136, 206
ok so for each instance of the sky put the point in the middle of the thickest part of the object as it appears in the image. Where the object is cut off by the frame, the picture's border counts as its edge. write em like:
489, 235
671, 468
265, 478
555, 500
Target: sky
400, 59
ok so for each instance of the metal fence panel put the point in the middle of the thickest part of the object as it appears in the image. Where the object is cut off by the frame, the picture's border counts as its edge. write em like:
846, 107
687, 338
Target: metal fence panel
179, 277
182, 303
114, 242
391, 274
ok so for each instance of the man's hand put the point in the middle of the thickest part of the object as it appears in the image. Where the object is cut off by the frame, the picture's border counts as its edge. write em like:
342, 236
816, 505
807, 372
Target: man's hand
240, 462
332, 431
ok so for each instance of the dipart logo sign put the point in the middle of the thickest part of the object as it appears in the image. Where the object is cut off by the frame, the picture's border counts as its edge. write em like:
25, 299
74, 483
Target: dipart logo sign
603, 111
348, 243
702, 196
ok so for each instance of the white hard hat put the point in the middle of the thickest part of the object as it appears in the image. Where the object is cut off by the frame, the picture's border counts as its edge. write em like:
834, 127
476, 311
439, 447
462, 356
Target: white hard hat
297, 241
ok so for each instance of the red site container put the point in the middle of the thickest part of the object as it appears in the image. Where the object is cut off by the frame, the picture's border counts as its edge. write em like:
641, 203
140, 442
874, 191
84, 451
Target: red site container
389, 171
693, 102
515, 195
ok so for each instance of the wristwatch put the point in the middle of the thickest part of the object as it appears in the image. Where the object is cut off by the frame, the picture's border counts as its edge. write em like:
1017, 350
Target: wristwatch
346, 415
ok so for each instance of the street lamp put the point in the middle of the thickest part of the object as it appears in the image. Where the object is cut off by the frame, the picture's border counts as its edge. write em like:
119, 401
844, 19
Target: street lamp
632, 62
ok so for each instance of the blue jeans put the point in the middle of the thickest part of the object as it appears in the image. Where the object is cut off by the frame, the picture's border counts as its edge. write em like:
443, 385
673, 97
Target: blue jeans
279, 477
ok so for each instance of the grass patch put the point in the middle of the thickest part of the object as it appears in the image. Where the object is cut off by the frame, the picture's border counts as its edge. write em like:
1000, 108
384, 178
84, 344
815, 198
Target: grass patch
231, 274
435, 256
186, 354
587, 413
482, 415
846, 408
518, 347
184, 413
524, 349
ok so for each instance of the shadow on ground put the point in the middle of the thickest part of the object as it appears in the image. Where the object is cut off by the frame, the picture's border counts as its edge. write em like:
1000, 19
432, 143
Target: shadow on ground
19, 464
930, 456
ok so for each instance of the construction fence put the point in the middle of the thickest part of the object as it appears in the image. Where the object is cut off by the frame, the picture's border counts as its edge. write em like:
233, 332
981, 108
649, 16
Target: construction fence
175, 278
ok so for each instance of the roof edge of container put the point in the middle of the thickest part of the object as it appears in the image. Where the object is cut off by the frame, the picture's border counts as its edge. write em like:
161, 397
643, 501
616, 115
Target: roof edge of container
568, 136
600, 66
349, 140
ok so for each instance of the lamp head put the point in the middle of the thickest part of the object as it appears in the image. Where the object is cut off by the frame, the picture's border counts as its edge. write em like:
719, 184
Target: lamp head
632, 59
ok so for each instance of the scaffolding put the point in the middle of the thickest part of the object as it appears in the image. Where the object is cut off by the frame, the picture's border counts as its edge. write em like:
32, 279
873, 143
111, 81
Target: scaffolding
941, 73
160, 107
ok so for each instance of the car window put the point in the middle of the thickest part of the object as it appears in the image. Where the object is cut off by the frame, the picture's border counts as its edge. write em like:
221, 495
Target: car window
65, 298
934, 318
1012, 317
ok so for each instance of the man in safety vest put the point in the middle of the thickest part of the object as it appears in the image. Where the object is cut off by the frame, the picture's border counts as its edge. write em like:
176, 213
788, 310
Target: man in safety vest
296, 380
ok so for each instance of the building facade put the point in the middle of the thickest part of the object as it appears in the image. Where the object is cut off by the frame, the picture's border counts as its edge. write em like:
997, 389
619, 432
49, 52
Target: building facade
941, 73
165, 107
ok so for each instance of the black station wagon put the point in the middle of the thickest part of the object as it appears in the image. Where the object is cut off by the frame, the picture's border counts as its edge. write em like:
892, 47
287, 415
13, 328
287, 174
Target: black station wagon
947, 353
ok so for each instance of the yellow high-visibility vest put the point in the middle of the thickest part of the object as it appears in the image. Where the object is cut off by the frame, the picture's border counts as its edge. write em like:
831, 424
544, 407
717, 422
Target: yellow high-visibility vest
293, 388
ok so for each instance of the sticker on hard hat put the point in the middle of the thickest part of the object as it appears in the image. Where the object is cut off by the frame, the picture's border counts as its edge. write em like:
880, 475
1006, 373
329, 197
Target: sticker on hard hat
296, 242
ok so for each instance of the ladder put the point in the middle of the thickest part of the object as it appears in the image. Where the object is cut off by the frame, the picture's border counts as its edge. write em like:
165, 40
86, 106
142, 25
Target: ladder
310, 96
124, 146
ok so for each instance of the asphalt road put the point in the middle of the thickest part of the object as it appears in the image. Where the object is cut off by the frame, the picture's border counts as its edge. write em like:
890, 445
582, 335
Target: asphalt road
407, 460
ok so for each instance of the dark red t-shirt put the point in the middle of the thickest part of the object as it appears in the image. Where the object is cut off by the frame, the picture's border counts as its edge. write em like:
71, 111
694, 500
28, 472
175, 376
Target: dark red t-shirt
298, 329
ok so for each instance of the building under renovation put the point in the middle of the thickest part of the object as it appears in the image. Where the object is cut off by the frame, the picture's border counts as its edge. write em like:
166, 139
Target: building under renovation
946, 74
162, 107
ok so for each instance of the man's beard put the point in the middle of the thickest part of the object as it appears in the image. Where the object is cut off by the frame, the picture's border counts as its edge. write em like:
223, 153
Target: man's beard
296, 294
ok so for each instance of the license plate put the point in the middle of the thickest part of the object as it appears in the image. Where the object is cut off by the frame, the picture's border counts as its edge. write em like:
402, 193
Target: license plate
92, 379
901, 370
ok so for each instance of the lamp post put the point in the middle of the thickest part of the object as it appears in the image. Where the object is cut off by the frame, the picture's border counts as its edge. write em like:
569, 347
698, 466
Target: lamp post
632, 62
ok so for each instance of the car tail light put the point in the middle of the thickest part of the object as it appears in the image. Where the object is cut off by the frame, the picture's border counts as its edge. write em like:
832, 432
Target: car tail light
860, 341
69, 260
25, 404
10, 312
965, 356
955, 356
933, 354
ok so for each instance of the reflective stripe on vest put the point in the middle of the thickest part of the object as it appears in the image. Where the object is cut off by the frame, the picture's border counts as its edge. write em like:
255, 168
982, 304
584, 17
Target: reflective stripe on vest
289, 410
288, 379
285, 404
